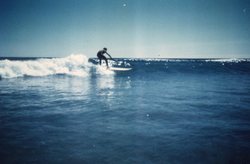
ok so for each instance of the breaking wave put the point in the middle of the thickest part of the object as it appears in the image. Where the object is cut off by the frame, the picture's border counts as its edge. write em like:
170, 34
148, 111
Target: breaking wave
82, 66
74, 65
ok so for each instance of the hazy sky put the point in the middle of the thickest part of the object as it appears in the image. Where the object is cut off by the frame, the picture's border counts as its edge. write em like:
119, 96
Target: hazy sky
128, 28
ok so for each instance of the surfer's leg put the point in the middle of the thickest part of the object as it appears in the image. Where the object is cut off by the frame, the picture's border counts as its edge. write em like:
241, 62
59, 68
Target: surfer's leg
100, 61
106, 61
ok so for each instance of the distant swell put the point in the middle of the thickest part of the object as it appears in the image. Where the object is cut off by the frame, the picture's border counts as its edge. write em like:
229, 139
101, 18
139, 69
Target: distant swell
75, 65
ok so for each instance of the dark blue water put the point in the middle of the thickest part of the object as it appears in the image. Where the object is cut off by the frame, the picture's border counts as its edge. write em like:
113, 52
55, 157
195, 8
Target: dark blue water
179, 111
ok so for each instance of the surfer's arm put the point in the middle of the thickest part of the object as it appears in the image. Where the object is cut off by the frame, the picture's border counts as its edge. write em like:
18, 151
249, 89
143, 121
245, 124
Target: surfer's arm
109, 56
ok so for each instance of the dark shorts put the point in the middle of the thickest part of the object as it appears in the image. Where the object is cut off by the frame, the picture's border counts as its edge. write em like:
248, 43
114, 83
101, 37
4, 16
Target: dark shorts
101, 56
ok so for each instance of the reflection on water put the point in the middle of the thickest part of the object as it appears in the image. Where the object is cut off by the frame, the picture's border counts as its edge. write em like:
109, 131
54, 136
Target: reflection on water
105, 82
74, 85
111, 90
105, 89
127, 84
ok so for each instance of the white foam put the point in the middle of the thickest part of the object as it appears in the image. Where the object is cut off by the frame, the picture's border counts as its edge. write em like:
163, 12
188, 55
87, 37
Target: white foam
74, 65
102, 70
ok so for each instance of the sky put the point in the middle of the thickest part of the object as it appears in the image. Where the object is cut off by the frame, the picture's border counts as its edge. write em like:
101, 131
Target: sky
128, 28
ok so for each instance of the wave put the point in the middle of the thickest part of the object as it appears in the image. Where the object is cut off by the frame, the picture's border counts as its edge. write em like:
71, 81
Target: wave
74, 65
82, 66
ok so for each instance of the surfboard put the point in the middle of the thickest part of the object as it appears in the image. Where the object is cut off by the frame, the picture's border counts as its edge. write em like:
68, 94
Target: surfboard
119, 69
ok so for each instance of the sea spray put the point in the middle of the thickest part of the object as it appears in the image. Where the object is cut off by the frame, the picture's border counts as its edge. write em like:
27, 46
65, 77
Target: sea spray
75, 65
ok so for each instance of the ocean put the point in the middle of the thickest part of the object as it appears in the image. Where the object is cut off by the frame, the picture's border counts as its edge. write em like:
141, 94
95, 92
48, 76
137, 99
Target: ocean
69, 110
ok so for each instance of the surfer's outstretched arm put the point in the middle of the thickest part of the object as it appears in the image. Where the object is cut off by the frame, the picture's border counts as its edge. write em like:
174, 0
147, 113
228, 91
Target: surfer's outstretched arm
110, 57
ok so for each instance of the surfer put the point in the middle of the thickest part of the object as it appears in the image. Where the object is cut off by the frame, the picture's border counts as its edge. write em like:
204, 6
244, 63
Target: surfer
100, 55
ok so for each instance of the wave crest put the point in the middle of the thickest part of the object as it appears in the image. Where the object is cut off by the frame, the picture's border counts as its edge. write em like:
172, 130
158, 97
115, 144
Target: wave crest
75, 65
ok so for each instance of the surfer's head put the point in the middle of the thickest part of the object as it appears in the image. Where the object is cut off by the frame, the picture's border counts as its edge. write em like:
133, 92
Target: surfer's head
105, 49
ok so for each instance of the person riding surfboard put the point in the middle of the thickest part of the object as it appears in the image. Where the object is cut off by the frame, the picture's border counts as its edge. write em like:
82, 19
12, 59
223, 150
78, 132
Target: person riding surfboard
100, 55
